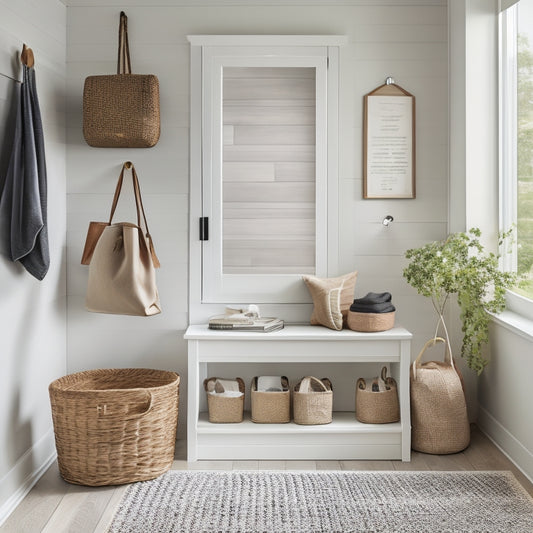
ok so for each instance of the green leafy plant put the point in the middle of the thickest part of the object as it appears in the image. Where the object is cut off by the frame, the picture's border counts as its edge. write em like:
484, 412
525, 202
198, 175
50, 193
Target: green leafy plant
460, 265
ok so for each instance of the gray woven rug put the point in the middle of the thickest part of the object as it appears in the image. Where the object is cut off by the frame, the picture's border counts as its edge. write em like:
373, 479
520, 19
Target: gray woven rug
276, 502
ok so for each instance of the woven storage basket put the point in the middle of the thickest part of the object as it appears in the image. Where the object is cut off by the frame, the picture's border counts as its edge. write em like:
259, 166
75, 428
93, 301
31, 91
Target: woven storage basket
369, 322
439, 417
115, 426
377, 407
225, 410
271, 407
314, 406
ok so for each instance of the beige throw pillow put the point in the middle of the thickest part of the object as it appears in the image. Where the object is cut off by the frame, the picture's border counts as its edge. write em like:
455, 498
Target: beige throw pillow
332, 298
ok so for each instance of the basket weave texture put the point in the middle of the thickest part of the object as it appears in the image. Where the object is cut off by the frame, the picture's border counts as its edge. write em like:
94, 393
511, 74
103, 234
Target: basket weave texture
121, 111
439, 416
271, 407
316, 405
223, 410
115, 426
377, 407
370, 322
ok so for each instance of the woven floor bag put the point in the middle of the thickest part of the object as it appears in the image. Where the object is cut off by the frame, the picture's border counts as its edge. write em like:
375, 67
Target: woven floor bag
439, 417
121, 110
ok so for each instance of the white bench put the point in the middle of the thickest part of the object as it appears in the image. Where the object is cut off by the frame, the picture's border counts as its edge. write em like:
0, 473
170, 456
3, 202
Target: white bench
344, 439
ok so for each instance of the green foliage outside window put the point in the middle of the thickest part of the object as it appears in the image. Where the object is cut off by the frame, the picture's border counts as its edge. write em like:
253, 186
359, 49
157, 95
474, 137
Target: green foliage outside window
525, 167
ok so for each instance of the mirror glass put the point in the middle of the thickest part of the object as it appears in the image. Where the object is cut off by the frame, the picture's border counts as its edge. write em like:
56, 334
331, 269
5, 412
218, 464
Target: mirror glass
268, 170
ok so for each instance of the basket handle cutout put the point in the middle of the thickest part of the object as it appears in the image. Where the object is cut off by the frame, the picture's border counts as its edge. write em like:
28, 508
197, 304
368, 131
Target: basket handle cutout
105, 409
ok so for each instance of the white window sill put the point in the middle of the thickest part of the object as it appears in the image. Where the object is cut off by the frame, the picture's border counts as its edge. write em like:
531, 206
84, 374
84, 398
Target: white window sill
516, 323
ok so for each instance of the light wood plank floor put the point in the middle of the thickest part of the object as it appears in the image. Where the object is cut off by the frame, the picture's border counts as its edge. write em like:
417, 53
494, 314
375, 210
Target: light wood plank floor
54, 506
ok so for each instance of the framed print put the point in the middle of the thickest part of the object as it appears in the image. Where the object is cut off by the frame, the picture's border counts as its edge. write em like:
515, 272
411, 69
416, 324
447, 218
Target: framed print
389, 143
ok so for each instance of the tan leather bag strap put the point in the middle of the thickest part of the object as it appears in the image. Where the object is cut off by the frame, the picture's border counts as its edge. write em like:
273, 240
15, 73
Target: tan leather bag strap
124, 62
138, 205
140, 209
431, 342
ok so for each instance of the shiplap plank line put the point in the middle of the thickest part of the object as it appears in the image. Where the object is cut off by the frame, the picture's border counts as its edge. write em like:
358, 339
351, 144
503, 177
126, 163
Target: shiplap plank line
263, 88
262, 259
288, 152
287, 115
218, 3
274, 192
247, 211
250, 228
269, 72
265, 135
249, 171
160, 23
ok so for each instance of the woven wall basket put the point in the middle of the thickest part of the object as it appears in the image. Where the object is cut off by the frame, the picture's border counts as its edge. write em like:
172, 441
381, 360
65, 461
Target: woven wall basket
377, 407
439, 417
223, 410
121, 110
369, 322
315, 405
115, 426
271, 407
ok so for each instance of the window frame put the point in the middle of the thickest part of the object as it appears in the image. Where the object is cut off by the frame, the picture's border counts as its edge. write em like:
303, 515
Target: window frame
508, 150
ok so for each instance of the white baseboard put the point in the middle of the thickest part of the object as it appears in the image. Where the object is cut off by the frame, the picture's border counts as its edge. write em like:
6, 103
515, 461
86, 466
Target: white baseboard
506, 442
25, 473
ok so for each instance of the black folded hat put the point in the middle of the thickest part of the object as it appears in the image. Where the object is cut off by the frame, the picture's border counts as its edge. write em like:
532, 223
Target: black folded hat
385, 307
373, 302
374, 298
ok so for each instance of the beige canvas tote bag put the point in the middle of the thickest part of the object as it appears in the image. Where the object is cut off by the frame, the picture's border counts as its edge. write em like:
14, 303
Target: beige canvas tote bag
122, 267
439, 417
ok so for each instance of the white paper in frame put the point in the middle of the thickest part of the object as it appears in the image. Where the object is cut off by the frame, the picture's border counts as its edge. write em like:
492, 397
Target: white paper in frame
389, 143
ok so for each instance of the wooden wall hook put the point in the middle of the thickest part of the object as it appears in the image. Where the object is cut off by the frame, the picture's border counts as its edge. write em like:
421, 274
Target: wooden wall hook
27, 56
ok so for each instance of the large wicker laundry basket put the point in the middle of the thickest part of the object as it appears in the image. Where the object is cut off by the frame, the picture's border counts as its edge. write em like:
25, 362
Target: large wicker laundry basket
115, 426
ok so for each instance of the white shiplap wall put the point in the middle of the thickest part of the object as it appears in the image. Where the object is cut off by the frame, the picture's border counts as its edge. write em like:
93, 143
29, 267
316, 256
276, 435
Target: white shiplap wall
406, 40
32, 313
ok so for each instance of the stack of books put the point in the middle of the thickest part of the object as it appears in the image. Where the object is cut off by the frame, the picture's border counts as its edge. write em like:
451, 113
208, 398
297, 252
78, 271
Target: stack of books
226, 322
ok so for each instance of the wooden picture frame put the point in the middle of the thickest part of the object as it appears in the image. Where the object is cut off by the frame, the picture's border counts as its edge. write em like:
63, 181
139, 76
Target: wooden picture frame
389, 143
